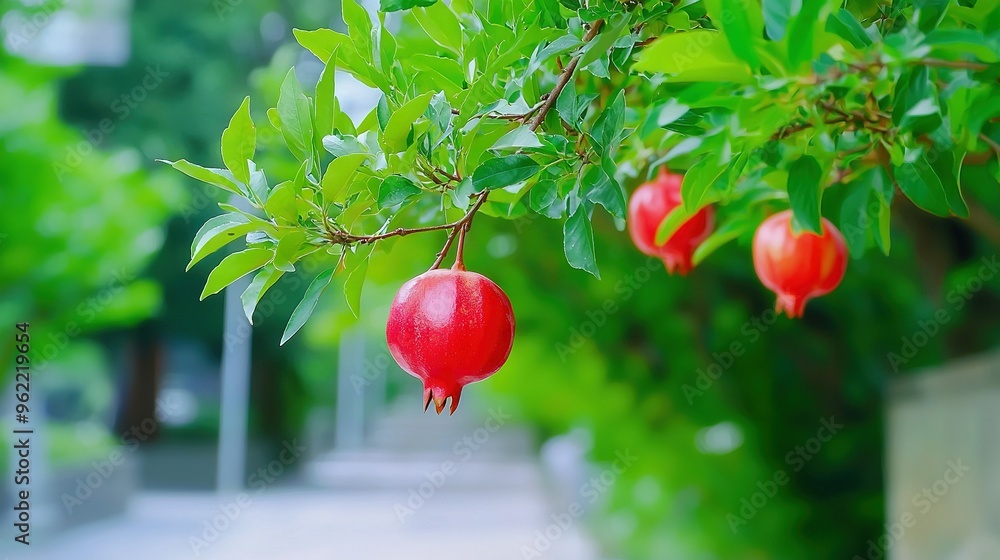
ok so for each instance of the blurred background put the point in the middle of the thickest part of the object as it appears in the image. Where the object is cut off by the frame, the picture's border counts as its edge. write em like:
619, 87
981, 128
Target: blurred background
639, 417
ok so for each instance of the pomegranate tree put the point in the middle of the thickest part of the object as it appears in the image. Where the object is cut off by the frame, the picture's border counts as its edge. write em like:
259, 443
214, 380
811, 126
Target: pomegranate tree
553, 119
650, 205
798, 266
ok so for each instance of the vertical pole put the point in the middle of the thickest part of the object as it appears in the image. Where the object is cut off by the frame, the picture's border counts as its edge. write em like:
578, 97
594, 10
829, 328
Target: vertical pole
235, 385
351, 385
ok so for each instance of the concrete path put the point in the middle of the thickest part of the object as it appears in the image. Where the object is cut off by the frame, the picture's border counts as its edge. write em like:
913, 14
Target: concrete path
423, 487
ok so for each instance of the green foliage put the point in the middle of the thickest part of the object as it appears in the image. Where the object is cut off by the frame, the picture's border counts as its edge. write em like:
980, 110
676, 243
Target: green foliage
522, 108
730, 97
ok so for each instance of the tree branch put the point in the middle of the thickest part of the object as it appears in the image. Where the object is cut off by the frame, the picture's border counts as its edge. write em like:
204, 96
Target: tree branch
564, 78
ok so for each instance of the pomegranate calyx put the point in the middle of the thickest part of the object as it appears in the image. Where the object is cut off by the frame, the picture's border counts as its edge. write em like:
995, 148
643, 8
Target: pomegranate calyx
791, 305
440, 396
677, 264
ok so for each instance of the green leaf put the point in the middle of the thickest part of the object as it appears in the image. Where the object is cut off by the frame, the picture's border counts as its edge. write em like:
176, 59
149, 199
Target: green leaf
603, 189
578, 242
216, 233
261, 283
520, 137
323, 43
396, 5
306, 307
670, 112
571, 107
344, 145
326, 99
801, 32
503, 172
359, 27
609, 128
398, 128
338, 175
296, 117
601, 44
856, 216
544, 199
844, 24
698, 181
258, 185
559, 46
215, 177
948, 169
441, 25
883, 231
694, 56
281, 203
930, 13
920, 184
357, 266
950, 43
287, 250
776, 16
234, 267
395, 190
805, 191
740, 21
239, 141
916, 106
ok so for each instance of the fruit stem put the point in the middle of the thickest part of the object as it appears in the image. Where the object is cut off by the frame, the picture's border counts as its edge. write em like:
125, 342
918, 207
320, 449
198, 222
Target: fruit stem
460, 249
458, 228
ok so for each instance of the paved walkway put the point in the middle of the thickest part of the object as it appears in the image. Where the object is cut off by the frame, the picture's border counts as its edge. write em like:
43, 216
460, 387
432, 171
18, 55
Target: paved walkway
423, 488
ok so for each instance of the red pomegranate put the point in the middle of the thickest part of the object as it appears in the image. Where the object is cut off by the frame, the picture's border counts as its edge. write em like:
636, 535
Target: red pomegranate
798, 266
450, 328
649, 205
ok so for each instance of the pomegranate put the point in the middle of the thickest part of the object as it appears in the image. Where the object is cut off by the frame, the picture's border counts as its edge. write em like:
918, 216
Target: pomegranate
450, 328
798, 266
649, 205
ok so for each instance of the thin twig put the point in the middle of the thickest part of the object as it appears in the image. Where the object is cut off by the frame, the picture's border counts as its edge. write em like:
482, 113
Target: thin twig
956, 64
991, 142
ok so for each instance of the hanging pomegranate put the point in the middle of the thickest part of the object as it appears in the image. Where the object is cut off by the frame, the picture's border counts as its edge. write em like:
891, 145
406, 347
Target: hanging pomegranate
798, 266
450, 328
650, 204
